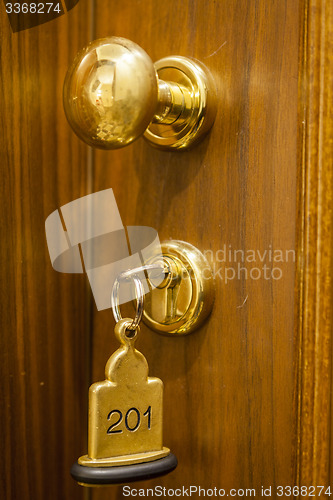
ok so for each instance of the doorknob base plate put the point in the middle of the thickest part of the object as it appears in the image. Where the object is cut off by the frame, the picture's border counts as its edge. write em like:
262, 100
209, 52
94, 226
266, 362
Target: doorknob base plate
182, 306
200, 88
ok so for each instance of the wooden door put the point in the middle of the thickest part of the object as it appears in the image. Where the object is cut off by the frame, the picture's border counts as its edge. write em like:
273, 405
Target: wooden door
247, 396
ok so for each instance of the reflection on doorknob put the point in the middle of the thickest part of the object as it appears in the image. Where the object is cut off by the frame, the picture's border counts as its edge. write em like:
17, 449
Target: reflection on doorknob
113, 94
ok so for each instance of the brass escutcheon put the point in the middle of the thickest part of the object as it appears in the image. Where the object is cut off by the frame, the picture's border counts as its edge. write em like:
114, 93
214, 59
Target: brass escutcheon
182, 302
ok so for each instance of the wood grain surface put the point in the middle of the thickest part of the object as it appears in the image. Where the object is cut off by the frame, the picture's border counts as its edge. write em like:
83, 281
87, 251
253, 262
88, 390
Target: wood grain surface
247, 399
229, 387
315, 247
44, 364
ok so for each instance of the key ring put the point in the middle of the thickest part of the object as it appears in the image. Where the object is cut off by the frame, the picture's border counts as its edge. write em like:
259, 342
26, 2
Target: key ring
139, 292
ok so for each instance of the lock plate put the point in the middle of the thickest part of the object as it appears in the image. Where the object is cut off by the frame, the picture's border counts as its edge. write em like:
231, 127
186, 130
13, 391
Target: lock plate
181, 303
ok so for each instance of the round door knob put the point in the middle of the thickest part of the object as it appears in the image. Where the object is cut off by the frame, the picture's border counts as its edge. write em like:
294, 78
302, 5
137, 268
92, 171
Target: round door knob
113, 94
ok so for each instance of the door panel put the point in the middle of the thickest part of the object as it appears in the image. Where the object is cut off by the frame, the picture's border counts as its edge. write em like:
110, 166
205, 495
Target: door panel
228, 387
44, 328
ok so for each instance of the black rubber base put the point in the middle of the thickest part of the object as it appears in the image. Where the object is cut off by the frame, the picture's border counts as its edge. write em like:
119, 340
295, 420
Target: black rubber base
123, 473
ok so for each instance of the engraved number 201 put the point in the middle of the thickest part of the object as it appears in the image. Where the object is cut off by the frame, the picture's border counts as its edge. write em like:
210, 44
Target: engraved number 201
133, 428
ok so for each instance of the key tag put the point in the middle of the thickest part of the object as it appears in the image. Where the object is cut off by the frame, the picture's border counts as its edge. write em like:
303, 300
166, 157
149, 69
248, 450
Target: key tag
125, 423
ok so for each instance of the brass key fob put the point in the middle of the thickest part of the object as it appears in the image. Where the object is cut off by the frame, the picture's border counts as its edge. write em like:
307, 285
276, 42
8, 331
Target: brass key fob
125, 420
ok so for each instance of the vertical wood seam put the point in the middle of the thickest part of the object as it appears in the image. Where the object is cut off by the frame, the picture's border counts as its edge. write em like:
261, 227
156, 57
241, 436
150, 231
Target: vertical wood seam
315, 253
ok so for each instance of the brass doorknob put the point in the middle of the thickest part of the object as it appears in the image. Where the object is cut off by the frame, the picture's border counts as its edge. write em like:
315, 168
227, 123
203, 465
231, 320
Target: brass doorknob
113, 93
